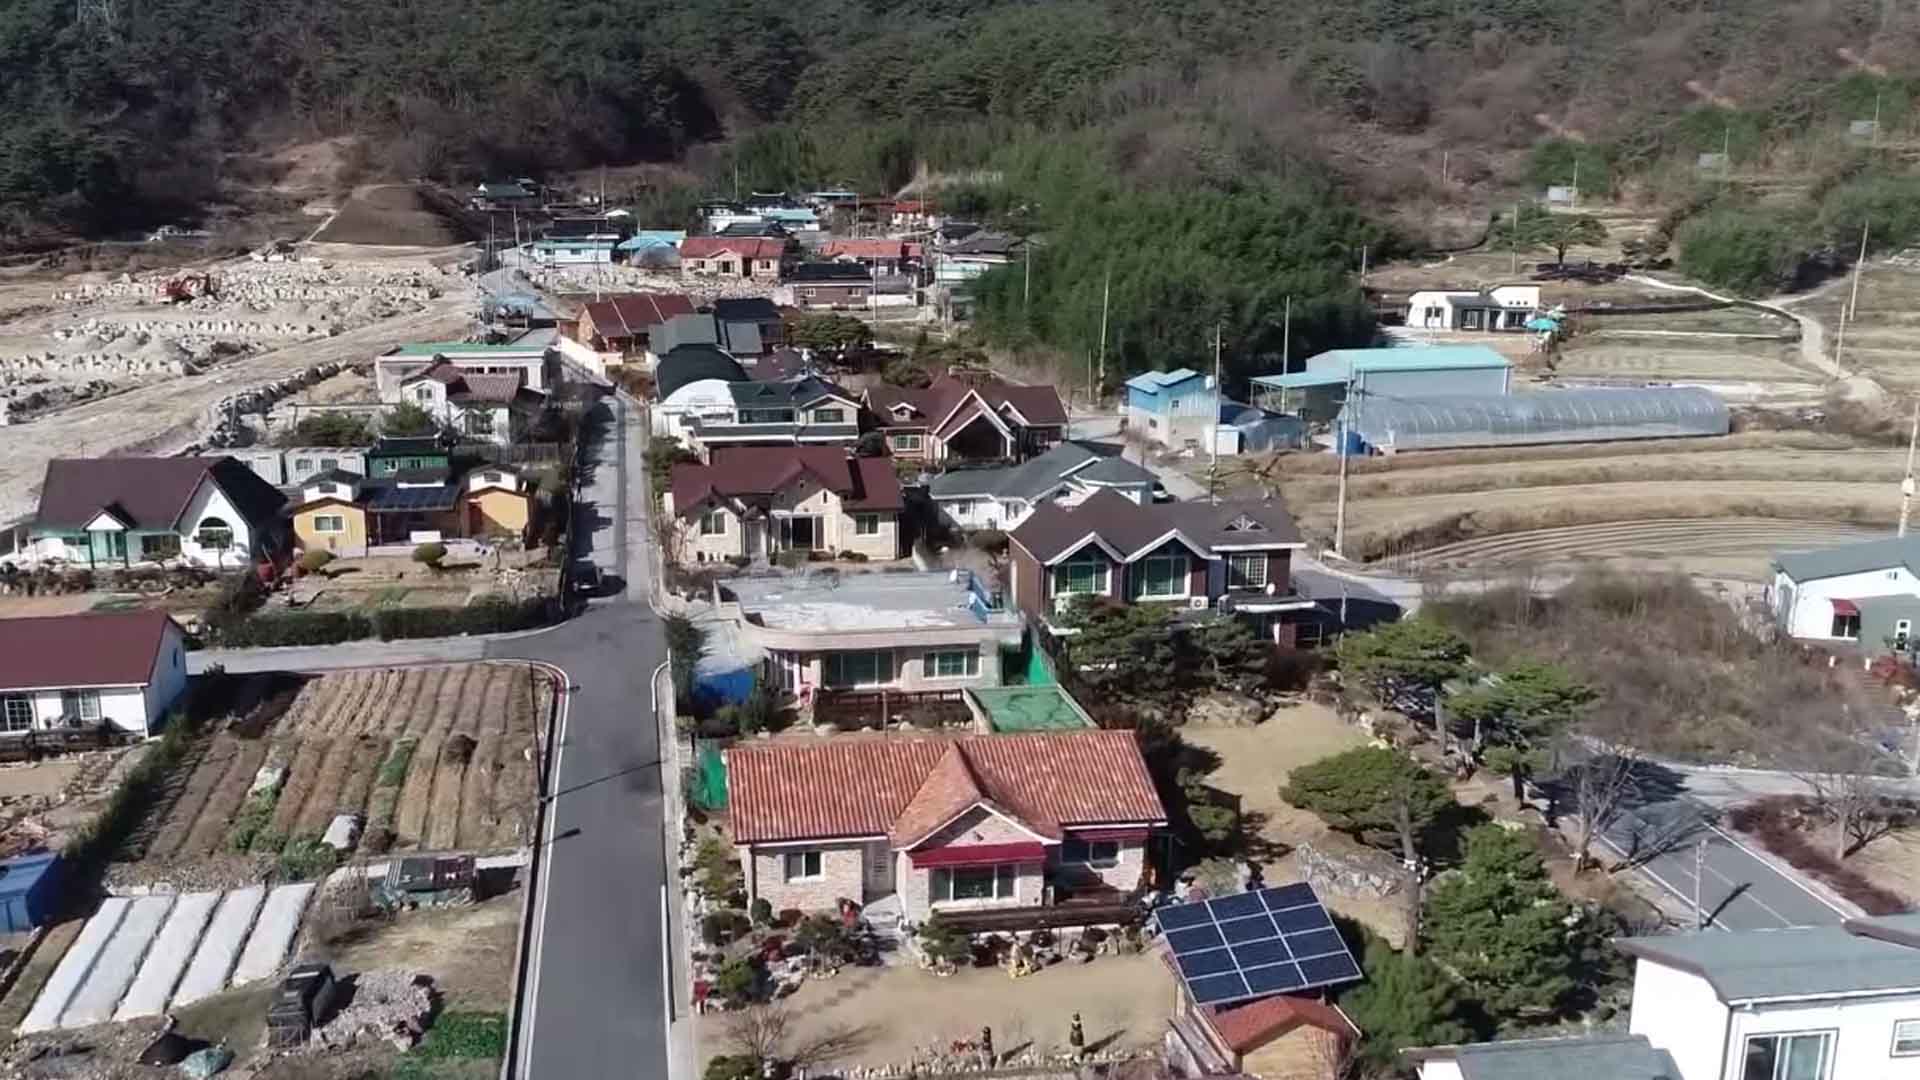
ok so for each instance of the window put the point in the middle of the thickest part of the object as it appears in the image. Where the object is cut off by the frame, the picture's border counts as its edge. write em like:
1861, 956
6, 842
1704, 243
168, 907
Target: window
493, 477
423, 395
713, 523
866, 668
329, 523
1099, 854
1084, 574
802, 865
766, 416
477, 422
214, 534
1906, 1038
1803, 1056
866, 524
906, 442
1163, 575
16, 711
1846, 626
1247, 571
1243, 523
974, 883
327, 464
808, 293
829, 416
83, 705
160, 547
953, 664
301, 467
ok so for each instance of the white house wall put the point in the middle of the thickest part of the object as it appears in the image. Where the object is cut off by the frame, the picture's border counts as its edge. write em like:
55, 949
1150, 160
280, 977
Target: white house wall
1811, 615
1863, 1045
1679, 1013
209, 501
168, 680
123, 707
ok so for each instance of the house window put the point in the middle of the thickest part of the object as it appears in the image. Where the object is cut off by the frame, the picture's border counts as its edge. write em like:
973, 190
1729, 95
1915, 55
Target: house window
829, 416
713, 523
906, 442
1084, 574
423, 395
802, 865
301, 467
493, 477
854, 669
478, 423
329, 523
974, 883
155, 548
16, 711
1247, 571
327, 464
1801, 1056
808, 293
1906, 1038
1099, 854
953, 664
1846, 626
214, 534
82, 705
1163, 575
866, 524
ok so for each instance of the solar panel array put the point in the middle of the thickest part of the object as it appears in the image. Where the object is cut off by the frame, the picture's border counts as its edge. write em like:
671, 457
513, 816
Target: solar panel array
1249, 945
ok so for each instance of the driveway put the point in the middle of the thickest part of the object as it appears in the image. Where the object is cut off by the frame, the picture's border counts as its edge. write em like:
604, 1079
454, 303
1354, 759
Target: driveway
593, 1002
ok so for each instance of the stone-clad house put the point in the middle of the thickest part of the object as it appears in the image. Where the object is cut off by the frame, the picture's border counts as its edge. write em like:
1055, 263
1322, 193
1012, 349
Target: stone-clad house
957, 824
757, 501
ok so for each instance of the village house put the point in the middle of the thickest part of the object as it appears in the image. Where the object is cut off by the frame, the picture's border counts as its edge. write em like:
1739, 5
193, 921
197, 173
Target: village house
740, 338
535, 365
756, 258
960, 261
816, 286
693, 382
1503, 307
289, 465
1182, 409
808, 409
739, 314
122, 511
883, 257
971, 416
1865, 594
492, 408
351, 515
624, 324
971, 826
1283, 1037
753, 502
119, 670
1232, 555
1002, 498
1804, 1003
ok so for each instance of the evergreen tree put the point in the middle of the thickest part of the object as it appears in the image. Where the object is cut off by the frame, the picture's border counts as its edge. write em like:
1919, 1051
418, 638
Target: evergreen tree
1499, 924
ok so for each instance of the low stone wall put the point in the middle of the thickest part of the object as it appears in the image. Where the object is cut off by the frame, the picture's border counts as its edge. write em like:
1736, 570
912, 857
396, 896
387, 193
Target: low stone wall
1361, 875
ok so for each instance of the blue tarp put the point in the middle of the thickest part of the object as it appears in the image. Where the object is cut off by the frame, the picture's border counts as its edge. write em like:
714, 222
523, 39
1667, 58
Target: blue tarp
29, 890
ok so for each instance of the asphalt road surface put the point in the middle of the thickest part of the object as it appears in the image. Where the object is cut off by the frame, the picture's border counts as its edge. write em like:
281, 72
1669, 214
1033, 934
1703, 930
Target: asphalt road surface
1737, 889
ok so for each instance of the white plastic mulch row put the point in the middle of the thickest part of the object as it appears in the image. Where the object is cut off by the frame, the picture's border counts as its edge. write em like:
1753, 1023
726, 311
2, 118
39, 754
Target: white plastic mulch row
113, 972
74, 966
167, 958
273, 933
213, 961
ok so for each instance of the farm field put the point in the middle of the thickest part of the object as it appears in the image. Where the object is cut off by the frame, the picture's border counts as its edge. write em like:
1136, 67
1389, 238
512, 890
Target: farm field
389, 215
1883, 340
431, 758
1636, 359
1722, 549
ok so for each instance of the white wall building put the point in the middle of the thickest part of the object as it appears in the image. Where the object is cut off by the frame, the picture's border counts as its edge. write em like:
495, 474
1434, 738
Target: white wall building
1861, 592
1503, 307
119, 670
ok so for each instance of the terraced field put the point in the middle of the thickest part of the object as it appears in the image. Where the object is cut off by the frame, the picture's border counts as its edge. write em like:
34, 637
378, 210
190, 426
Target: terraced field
1883, 339
429, 758
1731, 549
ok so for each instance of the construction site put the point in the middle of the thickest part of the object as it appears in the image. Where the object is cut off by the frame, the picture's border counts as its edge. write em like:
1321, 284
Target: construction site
159, 360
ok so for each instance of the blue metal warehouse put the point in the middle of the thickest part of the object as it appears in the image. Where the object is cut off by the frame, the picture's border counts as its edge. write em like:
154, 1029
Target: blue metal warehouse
1595, 414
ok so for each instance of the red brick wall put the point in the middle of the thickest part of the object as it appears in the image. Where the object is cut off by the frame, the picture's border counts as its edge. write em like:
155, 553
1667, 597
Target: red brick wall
1029, 582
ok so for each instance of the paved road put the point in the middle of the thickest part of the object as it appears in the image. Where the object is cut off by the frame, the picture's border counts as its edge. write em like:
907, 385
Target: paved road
1738, 889
595, 1002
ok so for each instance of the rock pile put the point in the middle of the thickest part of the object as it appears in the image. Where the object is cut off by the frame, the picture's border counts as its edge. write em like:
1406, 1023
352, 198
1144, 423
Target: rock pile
1361, 875
387, 1006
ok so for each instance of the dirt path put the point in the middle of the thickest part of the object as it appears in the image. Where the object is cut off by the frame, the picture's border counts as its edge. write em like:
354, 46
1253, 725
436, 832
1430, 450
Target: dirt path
1813, 336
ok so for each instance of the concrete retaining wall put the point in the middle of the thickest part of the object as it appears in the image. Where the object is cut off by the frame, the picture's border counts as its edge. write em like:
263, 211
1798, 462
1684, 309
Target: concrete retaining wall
168, 956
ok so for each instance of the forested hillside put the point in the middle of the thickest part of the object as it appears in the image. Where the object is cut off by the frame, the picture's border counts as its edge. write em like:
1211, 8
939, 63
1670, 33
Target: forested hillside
1245, 149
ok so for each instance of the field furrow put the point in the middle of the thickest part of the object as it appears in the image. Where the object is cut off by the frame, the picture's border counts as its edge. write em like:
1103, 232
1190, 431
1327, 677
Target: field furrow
209, 833
324, 800
302, 772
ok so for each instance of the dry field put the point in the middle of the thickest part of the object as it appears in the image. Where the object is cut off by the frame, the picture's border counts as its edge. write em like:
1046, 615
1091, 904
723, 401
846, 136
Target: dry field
388, 214
1883, 340
432, 758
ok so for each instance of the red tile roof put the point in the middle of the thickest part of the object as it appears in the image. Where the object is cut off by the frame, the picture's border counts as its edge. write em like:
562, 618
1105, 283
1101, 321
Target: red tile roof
747, 247
1246, 1028
636, 313
851, 785
948, 791
92, 649
744, 471
863, 249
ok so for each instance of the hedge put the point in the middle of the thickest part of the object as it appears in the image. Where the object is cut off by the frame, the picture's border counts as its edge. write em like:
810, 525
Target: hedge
388, 624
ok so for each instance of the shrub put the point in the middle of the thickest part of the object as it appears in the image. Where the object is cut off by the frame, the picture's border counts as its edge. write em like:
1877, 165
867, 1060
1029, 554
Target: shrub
942, 944
1742, 249
250, 823
488, 615
761, 911
723, 927
736, 980
852, 556
430, 554
393, 771
459, 749
305, 858
314, 561
292, 628
732, 1067
1770, 820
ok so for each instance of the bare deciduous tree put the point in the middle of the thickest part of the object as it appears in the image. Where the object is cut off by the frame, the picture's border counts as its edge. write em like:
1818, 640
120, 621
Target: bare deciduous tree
1837, 767
759, 1031
1600, 789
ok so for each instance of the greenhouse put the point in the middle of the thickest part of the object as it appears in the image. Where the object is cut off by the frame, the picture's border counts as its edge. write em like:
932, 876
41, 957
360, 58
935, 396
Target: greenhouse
1589, 414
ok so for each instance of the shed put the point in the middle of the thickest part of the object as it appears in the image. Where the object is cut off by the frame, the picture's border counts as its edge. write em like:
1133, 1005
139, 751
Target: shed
1317, 392
1591, 414
29, 890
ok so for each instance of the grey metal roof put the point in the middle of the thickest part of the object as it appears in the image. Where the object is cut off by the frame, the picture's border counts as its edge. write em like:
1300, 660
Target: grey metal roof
1115, 470
1860, 955
711, 432
1863, 557
1591, 1057
694, 363
1028, 480
785, 393
699, 328
1588, 414
742, 338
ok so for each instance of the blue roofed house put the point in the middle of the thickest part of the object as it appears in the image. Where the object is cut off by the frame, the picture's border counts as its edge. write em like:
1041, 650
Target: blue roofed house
1413, 371
1170, 407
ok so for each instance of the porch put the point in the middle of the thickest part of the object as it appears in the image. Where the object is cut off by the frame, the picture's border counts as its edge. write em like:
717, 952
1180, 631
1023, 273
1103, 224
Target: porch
854, 709
1091, 907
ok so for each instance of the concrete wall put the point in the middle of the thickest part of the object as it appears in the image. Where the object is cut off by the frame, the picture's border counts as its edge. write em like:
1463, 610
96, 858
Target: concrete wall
1680, 1013
842, 874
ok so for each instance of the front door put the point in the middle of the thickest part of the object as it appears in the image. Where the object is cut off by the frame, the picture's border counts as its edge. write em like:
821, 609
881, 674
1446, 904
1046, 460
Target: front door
879, 860
756, 539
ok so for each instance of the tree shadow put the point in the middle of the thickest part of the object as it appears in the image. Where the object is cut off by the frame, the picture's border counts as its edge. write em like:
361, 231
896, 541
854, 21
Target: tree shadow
832, 1045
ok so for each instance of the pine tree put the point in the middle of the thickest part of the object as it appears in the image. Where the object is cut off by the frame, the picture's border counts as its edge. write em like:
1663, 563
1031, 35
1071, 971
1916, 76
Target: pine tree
1499, 924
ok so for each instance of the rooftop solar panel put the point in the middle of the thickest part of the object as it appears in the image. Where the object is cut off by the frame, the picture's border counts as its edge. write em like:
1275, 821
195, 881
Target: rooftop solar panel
1249, 945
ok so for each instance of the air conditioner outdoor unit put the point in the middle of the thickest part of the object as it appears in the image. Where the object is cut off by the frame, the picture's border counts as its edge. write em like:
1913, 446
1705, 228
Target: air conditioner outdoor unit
1198, 603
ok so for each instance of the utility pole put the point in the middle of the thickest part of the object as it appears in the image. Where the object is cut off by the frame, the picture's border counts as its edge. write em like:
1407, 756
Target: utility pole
1445, 155
1286, 337
1363, 264
1026, 284
1906, 482
1213, 435
1873, 140
1106, 294
1349, 414
1846, 315
1513, 244
1726, 154
1575, 204
1699, 871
